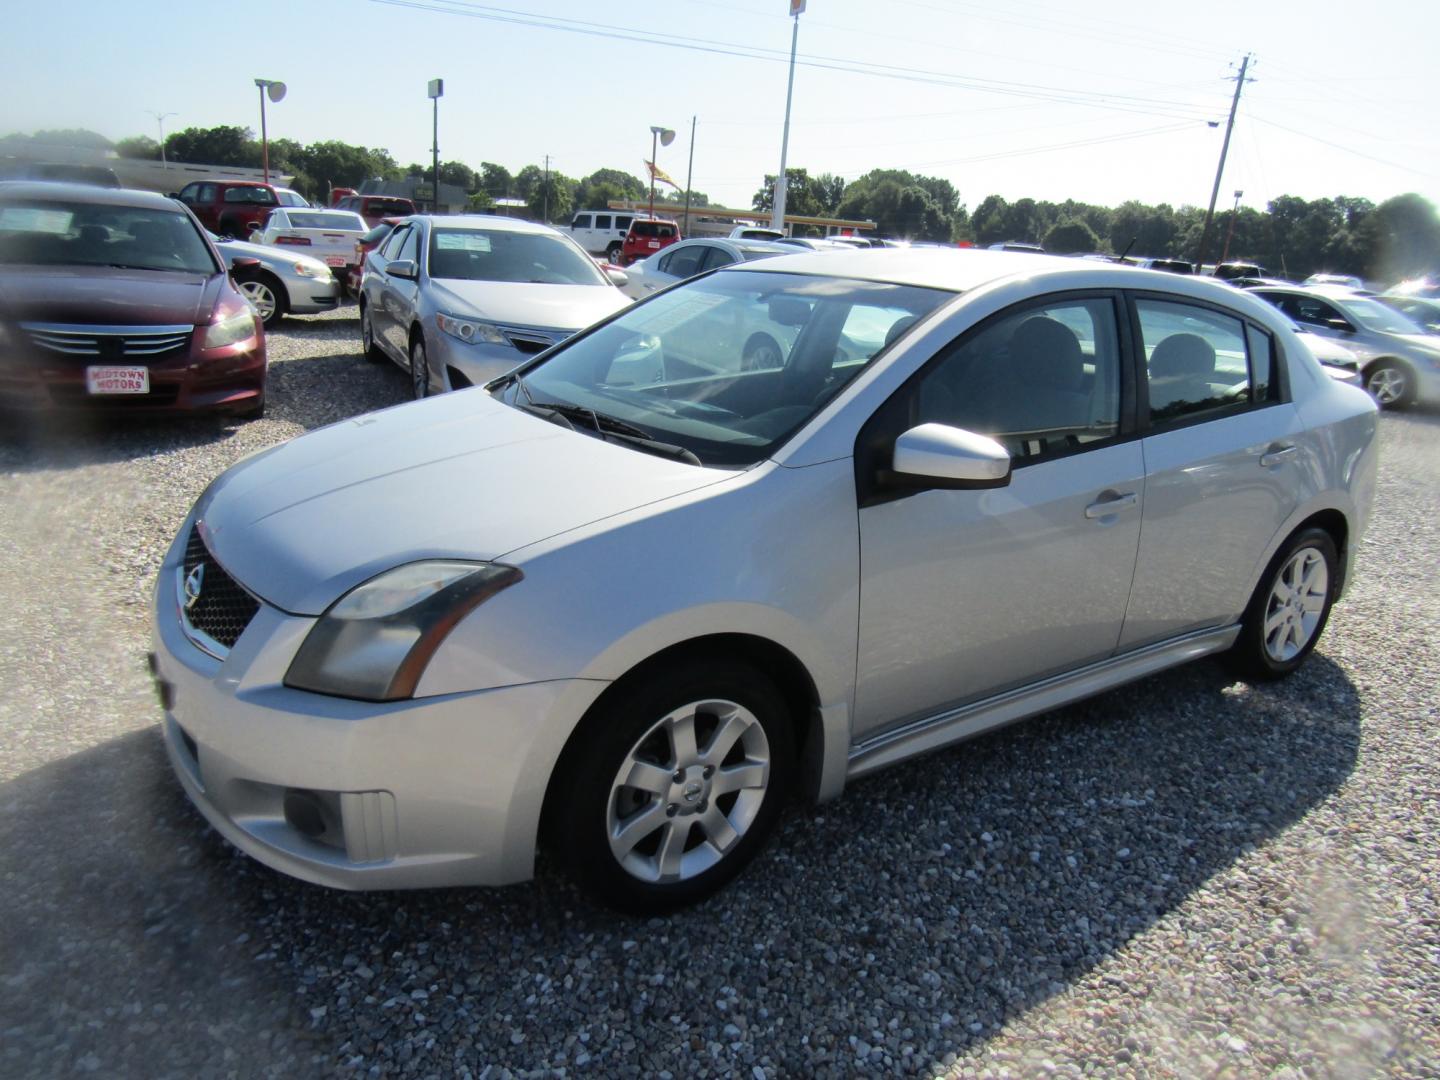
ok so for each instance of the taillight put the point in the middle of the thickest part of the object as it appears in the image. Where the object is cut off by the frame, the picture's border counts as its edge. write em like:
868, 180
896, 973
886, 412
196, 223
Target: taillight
297, 241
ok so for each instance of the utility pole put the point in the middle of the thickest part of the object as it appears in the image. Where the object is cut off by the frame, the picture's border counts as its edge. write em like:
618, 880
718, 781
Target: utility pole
1219, 171
777, 215
545, 192
689, 175
1230, 232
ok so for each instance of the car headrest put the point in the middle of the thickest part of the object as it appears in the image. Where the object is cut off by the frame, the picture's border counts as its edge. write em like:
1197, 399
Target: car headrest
1047, 352
1183, 354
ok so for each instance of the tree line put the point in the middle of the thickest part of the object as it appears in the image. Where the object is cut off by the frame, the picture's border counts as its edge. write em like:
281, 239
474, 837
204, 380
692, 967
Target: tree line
1291, 237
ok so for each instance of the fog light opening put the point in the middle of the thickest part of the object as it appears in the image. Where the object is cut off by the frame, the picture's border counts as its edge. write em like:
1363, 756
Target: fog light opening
304, 814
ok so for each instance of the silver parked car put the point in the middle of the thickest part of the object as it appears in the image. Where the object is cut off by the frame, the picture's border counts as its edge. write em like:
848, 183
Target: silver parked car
459, 300
285, 282
691, 257
636, 592
1400, 362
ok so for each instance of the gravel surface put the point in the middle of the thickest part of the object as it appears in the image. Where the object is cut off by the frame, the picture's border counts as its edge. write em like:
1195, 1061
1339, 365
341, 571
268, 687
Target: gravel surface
1188, 876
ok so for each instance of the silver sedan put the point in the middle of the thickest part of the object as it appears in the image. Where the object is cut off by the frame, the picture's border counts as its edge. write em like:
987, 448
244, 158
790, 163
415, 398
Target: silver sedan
630, 596
284, 283
691, 257
457, 301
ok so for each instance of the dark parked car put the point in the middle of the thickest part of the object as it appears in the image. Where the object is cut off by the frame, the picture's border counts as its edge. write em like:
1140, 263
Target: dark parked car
232, 208
116, 300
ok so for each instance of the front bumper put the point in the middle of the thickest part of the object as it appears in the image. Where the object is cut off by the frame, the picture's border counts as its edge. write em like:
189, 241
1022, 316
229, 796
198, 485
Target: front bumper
437, 791
477, 363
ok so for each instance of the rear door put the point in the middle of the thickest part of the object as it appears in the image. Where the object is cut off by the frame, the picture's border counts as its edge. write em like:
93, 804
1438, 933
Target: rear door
1221, 456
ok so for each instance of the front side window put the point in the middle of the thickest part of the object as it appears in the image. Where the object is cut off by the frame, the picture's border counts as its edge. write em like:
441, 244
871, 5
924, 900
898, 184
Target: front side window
685, 262
582, 221
1197, 362
1043, 381
502, 255
391, 248
255, 196
729, 366
410, 246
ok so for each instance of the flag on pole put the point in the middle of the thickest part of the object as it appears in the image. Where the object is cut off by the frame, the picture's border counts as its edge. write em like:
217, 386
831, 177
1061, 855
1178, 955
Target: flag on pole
660, 176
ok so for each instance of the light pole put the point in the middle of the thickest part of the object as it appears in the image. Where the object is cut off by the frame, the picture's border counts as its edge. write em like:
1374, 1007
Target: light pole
435, 92
777, 214
160, 123
275, 90
1225, 254
666, 137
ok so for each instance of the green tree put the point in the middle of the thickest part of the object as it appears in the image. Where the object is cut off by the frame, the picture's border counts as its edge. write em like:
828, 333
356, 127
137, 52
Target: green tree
557, 196
596, 190
459, 174
139, 148
495, 180
480, 202
223, 145
1071, 238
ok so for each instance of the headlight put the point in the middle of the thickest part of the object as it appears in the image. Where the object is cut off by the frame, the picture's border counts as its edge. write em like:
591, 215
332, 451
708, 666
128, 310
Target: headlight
312, 270
470, 331
375, 641
230, 330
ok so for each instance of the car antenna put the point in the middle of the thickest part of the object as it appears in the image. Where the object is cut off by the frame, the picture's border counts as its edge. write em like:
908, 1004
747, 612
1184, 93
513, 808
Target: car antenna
1121, 257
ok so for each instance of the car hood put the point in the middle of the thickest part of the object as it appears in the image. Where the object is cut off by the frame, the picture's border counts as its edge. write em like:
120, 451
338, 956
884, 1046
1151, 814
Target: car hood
512, 303
105, 296
456, 476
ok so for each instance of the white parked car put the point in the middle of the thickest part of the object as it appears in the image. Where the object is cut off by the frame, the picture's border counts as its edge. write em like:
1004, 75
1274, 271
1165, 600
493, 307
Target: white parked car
690, 257
327, 235
629, 597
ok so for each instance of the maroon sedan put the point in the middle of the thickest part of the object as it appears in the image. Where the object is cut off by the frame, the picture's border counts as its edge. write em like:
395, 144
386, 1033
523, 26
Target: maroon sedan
117, 301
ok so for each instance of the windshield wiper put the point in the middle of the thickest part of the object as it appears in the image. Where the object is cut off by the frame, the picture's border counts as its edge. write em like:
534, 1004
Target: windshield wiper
607, 427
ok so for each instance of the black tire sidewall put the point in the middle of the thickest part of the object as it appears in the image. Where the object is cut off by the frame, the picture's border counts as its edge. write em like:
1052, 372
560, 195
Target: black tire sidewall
596, 751
417, 349
1248, 655
277, 293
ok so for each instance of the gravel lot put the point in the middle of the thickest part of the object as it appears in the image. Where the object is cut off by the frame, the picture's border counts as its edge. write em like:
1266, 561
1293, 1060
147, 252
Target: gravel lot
1189, 876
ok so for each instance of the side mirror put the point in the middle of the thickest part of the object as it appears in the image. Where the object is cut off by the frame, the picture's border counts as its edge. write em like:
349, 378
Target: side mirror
404, 268
940, 456
1340, 324
617, 276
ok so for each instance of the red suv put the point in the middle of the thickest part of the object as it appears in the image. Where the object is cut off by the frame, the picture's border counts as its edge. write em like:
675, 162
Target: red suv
376, 208
646, 237
233, 208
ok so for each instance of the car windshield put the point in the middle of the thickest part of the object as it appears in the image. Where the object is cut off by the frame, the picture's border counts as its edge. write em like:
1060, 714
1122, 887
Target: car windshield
390, 207
336, 220
728, 366
502, 255
72, 233
1376, 316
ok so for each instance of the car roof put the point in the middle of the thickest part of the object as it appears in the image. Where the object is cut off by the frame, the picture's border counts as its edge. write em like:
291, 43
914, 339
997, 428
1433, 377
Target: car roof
88, 193
747, 244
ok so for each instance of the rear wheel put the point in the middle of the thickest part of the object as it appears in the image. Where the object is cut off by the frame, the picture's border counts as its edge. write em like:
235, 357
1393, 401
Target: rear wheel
613, 253
671, 787
1390, 384
1290, 607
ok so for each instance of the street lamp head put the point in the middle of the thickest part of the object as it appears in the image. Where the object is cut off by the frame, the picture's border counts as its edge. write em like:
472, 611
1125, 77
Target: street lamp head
1238, 193
274, 89
665, 134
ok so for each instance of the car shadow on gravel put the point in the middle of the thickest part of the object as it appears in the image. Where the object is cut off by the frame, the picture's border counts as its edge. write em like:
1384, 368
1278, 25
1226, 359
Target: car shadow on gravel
881, 933
309, 391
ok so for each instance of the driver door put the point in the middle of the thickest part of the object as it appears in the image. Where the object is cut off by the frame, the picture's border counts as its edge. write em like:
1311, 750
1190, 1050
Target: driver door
968, 593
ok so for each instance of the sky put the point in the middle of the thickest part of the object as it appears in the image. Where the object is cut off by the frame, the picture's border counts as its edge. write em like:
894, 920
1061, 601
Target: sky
1101, 102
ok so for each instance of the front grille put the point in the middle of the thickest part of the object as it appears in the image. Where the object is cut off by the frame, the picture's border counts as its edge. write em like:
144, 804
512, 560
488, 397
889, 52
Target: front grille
109, 342
212, 603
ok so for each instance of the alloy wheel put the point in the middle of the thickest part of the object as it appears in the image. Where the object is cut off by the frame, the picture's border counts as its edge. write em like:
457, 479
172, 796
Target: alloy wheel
1387, 384
1296, 604
688, 791
263, 298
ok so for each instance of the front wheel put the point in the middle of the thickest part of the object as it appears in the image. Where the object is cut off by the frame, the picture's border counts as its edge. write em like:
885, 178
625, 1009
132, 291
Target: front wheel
419, 369
1289, 609
672, 786
1390, 385
267, 296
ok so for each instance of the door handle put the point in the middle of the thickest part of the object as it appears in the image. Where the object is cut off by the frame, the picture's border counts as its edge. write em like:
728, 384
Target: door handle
1275, 455
1106, 507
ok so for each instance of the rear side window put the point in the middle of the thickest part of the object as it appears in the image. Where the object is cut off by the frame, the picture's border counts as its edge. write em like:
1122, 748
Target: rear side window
256, 196
1198, 363
683, 263
662, 229
602, 221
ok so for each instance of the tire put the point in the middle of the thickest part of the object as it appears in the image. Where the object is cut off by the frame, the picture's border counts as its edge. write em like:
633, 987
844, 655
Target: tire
232, 229
761, 353
419, 369
613, 253
1391, 384
368, 346
1290, 607
254, 412
269, 297
660, 843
